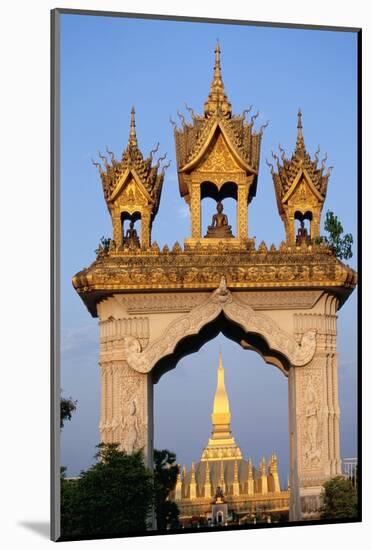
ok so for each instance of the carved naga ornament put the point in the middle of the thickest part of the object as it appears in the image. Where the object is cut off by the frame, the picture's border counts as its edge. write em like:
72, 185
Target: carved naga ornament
221, 300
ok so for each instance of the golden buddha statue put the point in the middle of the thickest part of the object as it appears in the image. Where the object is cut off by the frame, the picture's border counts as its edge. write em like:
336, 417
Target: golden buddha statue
219, 228
131, 238
302, 235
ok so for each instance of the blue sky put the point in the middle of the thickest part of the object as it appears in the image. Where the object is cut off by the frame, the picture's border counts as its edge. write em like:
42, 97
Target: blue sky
108, 65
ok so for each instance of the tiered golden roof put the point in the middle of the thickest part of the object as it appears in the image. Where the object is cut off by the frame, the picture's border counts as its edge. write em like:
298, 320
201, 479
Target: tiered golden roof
300, 161
132, 160
195, 140
132, 185
300, 185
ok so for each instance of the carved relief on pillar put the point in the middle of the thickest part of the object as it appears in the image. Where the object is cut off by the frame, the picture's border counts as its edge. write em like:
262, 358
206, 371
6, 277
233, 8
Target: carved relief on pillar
326, 357
312, 415
196, 211
145, 230
242, 212
124, 409
117, 228
133, 413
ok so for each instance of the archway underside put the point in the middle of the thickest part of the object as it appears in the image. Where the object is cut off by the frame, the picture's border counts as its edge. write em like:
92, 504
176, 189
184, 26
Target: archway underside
233, 331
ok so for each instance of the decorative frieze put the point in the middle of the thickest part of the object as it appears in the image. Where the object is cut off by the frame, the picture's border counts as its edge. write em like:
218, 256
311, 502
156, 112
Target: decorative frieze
322, 324
114, 329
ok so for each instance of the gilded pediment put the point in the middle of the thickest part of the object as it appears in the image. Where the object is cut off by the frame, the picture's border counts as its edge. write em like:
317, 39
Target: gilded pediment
219, 157
302, 193
131, 195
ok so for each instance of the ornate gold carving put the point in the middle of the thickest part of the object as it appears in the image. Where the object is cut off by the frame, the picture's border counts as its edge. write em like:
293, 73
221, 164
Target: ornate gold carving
218, 148
219, 158
196, 211
131, 185
200, 267
300, 186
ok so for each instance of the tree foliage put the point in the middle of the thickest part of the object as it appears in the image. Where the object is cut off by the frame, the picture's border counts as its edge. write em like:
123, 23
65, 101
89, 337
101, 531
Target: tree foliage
165, 474
112, 497
103, 245
68, 406
340, 244
340, 499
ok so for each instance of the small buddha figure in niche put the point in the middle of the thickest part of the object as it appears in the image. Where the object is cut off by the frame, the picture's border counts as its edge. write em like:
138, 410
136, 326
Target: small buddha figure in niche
131, 238
302, 235
219, 496
219, 228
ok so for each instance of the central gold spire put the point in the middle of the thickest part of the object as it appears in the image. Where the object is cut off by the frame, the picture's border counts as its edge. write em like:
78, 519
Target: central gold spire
217, 102
221, 445
221, 413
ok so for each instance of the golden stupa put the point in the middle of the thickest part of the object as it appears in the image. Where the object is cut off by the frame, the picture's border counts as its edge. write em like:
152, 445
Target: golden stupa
225, 485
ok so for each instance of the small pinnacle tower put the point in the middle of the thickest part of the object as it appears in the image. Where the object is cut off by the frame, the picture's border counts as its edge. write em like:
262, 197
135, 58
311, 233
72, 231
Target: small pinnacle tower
217, 100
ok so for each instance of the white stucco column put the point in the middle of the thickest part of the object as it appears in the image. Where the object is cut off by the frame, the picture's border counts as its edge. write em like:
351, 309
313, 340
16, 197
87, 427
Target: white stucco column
126, 395
317, 410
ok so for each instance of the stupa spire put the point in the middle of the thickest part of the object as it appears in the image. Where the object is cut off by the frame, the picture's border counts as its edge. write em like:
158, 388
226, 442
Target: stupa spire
133, 142
217, 102
300, 146
221, 412
222, 443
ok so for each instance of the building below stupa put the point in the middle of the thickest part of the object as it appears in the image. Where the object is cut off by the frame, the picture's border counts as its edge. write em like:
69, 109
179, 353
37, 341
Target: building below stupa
223, 488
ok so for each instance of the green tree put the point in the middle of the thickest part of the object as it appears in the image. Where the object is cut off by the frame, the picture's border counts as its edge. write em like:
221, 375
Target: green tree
68, 406
341, 245
340, 499
103, 245
112, 497
165, 474
68, 492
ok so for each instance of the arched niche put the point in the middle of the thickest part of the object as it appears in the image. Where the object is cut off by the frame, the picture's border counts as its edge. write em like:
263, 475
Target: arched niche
126, 219
303, 225
211, 194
